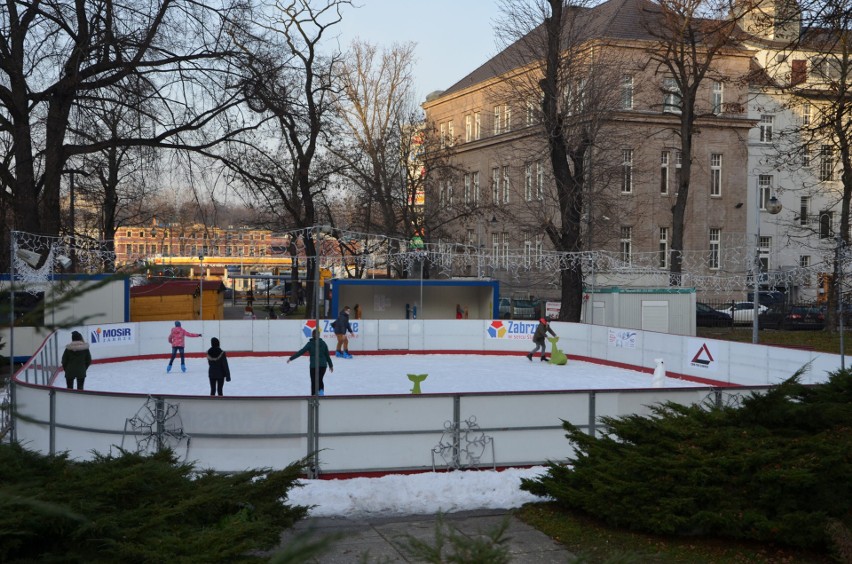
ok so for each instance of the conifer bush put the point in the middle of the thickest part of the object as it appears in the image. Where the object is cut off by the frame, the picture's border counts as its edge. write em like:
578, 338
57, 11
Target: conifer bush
774, 469
137, 508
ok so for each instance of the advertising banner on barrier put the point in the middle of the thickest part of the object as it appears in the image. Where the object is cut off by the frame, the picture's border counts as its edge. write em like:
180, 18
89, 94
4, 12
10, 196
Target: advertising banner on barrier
112, 335
701, 355
622, 338
508, 329
326, 330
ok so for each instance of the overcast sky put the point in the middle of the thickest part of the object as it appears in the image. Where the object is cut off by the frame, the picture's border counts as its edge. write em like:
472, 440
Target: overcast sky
453, 37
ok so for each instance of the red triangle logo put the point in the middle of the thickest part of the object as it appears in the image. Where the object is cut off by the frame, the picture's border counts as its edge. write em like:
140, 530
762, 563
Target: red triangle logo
699, 356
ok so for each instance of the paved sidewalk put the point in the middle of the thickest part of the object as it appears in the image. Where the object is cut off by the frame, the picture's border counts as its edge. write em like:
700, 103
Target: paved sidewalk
376, 539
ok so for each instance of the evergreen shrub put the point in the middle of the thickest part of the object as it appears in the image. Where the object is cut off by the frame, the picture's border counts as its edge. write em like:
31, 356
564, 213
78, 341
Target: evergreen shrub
137, 508
775, 468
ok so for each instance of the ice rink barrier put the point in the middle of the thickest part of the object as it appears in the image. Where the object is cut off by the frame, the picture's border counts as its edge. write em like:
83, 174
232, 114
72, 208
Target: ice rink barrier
376, 434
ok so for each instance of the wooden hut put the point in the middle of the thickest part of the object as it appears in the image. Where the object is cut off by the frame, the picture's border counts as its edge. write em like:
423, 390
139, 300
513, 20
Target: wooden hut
177, 299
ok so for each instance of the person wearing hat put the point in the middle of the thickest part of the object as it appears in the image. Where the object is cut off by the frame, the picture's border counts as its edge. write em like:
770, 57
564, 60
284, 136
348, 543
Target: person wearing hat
341, 326
76, 360
538, 338
176, 340
218, 371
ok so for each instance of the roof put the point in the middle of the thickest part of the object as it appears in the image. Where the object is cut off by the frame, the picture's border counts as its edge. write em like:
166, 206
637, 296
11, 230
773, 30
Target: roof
174, 288
624, 20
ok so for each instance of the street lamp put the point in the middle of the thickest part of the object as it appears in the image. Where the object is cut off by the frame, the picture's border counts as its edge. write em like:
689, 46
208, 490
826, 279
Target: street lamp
201, 286
773, 206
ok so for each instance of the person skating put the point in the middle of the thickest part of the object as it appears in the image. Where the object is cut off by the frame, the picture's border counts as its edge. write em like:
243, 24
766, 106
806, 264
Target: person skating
176, 340
538, 339
76, 359
341, 326
217, 371
318, 363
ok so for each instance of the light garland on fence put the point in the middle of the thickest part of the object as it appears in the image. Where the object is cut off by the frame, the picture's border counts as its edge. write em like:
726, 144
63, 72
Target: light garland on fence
37, 258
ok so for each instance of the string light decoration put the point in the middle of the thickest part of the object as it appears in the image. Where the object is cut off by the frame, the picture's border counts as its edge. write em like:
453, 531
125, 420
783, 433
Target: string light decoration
727, 271
462, 446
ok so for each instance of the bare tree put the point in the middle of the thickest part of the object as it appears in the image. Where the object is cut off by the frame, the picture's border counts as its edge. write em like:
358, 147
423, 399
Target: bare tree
289, 81
52, 54
570, 90
690, 36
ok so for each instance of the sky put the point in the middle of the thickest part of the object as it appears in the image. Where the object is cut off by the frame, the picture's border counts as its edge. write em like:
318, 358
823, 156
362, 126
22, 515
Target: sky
392, 495
453, 37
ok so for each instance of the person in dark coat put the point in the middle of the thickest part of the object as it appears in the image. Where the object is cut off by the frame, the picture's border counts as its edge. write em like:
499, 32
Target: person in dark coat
541, 331
319, 362
341, 326
76, 359
218, 371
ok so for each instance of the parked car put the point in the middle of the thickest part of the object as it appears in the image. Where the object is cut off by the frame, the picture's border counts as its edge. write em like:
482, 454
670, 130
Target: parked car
768, 297
278, 291
742, 313
706, 316
779, 316
516, 309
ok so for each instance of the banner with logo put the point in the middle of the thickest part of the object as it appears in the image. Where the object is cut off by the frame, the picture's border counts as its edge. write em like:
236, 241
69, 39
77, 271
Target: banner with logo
701, 354
326, 330
112, 335
622, 338
508, 329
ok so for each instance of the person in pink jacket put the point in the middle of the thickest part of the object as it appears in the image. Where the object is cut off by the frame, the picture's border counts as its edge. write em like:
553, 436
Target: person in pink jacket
176, 340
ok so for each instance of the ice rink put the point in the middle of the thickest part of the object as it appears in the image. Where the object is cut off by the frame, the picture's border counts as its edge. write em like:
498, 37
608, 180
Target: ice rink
367, 375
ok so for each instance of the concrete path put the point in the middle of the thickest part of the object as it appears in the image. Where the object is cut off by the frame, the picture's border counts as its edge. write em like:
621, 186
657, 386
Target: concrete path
378, 539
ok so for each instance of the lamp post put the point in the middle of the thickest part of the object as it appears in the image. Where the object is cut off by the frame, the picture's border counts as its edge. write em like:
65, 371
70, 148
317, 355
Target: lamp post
773, 206
838, 259
201, 287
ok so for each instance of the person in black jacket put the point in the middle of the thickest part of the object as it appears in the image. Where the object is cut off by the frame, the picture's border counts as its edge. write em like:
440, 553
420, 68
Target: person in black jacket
218, 370
76, 360
342, 326
541, 331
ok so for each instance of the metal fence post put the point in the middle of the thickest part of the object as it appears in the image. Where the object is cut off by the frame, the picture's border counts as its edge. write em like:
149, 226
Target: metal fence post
456, 431
592, 416
52, 432
161, 422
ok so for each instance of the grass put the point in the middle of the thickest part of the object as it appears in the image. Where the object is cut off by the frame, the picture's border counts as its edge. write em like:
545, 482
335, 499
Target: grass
824, 341
595, 542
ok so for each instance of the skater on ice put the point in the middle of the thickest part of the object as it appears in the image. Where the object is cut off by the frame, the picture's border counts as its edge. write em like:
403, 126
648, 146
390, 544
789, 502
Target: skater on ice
218, 371
538, 339
76, 360
176, 340
341, 326
318, 365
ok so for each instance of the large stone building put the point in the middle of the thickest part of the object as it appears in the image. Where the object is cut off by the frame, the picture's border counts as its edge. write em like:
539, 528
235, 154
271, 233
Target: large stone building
500, 147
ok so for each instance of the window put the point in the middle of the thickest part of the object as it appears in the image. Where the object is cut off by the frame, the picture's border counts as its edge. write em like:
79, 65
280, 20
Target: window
717, 97
664, 172
678, 165
664, 247
442, 136
468, 128
451, 134
528, 182
826, 67
442, 194
715, 174
626, 171
766, 123
539, 251
497, 115
826, 225
530, 112
470, 238
804, 210
495, 247
528, 249
715, 248
477, 126
765, 246
626, 245
449, 193
505, 184
504, 256
477, 197
671, 96
806, 155
805, 264
539, 180
826, 163
467, 188
806, 114
507, 119
127, 234
626, 92
495, 185
764, 189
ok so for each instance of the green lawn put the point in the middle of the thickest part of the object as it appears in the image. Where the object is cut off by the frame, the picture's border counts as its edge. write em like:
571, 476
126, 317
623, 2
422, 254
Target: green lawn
817, 340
